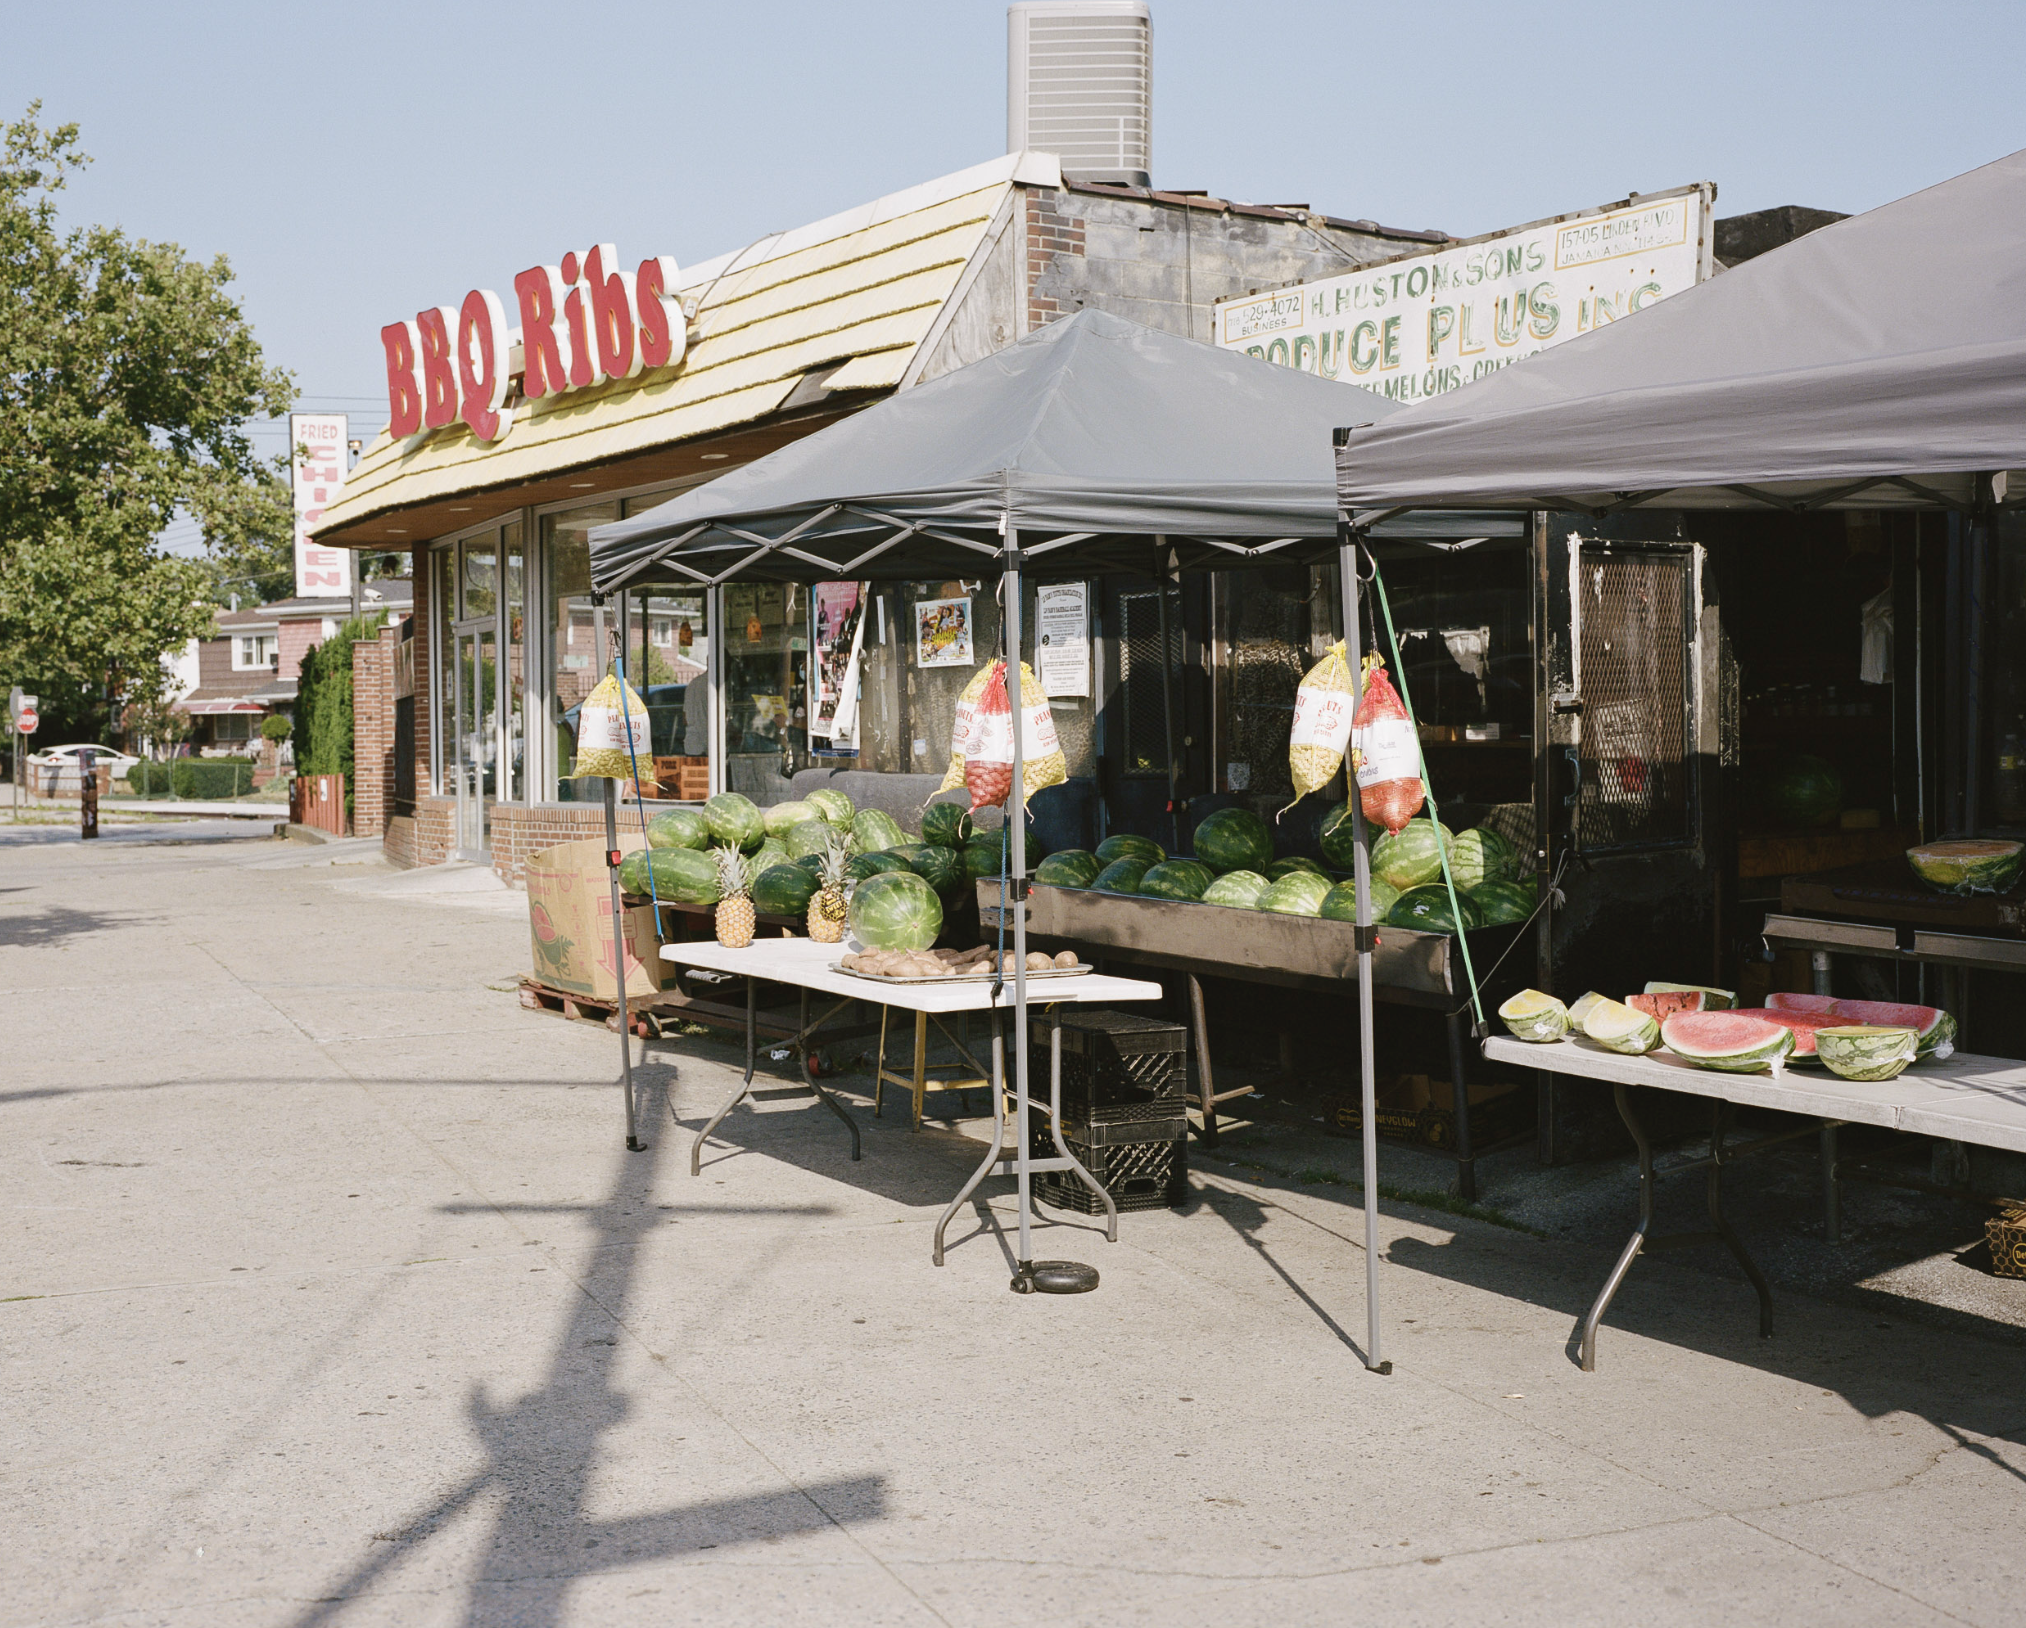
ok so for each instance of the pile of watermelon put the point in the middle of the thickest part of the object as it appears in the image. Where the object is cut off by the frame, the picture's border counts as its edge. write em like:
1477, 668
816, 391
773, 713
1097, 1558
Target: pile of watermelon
1233, 867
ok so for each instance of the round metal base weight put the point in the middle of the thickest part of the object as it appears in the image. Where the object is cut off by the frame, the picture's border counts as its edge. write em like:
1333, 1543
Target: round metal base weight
1054, 1277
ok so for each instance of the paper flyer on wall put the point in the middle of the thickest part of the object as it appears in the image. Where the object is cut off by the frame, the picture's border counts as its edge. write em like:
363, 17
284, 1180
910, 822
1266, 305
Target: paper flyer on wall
840, 619
1062, 641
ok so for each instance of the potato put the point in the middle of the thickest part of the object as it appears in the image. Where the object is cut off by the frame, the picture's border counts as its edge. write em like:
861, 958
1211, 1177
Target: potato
1037, 962
849, 963
1067, 958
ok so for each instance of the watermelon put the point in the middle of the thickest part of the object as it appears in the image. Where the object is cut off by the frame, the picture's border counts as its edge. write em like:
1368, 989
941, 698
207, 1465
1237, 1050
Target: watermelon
1713, 1000
1663, 1004
1071, 867
1617, 1027
1233, 839
1937, 1030
809, 837
1502, 903
1737, 1042
1298, 893
947, 825
1409, 857
1804, 1024
1426, 909
1341, 902
942, 868
1121, 876
832, 804
1127, 846
993, 842
678, 828
683, 876
812, 863
860, 867
1183, 879
1967, 866
1866, 1051
1339, 844
782, 818
873, 831
1287, 867
1808, 791
1478, 856
633, 872
895, 910
1788, 1001
734, 821
1582, 1006
783, 890
773, 851
1237, 890
1534, 1016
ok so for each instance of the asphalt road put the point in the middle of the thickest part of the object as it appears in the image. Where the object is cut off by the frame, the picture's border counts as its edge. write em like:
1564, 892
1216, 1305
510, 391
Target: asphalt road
331, 1296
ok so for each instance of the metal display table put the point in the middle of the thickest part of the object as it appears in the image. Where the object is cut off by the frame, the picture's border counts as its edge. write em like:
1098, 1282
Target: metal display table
1409, 968
801, 963
1981, 1100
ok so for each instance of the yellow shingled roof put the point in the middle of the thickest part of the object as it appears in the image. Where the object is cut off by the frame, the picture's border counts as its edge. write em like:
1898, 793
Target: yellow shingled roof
862, 289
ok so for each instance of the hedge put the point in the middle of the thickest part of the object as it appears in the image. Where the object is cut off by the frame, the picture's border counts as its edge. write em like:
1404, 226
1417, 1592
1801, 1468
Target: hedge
207, 778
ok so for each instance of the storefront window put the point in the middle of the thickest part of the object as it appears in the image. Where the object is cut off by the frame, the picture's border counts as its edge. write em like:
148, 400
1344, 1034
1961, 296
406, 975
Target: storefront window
514, 641
766, 669
575, 662
668, 661
1264, 621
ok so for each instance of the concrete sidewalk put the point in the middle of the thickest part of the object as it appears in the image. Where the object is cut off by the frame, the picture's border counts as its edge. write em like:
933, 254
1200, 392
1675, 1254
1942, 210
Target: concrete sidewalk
333, 1298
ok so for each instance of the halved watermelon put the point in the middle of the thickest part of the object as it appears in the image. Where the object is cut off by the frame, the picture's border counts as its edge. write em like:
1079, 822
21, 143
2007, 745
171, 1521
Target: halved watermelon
1737, 1042
1782, 1000
1804, 1024
1618, 1027
1663, 1004
1713, 1000
1937, 1030
1580, 1007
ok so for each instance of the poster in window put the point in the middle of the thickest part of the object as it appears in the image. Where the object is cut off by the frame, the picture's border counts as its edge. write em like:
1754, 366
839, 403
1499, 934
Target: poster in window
1062, 646
943, 633
839, 608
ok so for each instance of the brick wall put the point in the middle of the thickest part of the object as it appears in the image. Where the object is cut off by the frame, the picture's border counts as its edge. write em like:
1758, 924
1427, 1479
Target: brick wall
518, 832
298, 636
425, 676
399, 842
373, 732
434, 830
1050, 233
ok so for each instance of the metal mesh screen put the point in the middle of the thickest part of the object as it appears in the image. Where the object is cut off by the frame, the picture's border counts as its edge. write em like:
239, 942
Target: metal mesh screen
1145, 747
1636, 689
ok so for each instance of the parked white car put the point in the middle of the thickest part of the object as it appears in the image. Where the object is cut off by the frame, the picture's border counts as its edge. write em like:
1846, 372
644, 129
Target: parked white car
55, 769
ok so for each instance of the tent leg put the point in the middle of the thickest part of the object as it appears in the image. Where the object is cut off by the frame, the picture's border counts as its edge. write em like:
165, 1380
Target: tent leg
1347, 573
633, 1142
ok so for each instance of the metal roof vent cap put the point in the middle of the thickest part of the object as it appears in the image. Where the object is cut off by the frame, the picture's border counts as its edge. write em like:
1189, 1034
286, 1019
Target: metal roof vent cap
1079, 84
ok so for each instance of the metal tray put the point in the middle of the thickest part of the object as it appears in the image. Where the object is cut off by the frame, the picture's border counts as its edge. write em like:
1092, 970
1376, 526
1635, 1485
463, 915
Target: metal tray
959, 978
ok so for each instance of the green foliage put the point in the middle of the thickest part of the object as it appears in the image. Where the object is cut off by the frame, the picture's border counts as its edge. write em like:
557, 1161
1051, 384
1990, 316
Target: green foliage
276, 727
323, 700
127, 374
193, 778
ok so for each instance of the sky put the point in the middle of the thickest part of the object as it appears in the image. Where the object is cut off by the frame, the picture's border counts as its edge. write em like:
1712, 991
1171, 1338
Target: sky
356, 163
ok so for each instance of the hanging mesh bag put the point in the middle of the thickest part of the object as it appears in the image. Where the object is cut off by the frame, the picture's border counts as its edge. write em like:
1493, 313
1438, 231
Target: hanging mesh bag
1385, 753
1045, 764
1322, 724
612, 732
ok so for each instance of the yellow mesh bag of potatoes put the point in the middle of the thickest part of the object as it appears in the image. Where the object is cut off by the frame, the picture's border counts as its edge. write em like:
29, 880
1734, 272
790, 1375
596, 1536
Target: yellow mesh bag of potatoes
612, 733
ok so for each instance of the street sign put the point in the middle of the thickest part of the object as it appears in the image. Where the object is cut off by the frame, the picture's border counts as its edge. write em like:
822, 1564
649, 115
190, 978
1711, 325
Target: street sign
25, 707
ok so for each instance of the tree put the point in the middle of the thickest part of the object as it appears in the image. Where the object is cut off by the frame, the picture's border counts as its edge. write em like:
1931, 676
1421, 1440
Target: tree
127, 373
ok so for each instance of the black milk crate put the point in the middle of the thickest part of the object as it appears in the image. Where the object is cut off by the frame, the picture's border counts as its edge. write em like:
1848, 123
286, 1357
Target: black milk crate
1118, 1070
1147, 1175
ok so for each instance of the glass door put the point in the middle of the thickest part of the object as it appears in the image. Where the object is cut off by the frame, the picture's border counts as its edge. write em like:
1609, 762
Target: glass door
474, 769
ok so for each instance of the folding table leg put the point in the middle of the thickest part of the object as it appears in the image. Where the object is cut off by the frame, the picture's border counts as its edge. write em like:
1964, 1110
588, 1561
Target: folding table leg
921, 1081
1723, 1227
1634, 1244
879, 1068
998, 1133
1204, 1083
731, 1102
1832, 1193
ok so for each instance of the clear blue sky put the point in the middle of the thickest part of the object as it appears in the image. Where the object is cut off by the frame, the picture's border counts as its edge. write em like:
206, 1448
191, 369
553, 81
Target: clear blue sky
356, 162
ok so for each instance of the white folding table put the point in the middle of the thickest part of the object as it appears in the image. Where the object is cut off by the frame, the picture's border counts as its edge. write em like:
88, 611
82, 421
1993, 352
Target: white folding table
806, 965
1961, 1098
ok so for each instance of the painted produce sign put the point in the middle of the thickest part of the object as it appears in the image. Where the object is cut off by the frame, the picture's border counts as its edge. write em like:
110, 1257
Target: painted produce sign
1413, 328
584, 320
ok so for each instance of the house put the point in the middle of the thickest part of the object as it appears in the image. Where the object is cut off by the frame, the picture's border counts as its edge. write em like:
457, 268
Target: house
250, 669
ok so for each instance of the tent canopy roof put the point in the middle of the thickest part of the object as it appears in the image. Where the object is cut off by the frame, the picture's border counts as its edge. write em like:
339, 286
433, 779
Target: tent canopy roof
1091, 437
1876, 363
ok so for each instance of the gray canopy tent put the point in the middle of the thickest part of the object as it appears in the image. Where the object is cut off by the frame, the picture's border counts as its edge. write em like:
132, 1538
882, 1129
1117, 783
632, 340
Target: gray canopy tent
1879, 362
1092, 445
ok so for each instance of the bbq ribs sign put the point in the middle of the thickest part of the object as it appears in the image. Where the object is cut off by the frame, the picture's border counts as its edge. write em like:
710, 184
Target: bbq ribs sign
582, 321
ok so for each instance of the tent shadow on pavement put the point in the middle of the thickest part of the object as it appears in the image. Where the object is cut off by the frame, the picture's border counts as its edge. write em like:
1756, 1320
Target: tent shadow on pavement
541, 1453
55, 925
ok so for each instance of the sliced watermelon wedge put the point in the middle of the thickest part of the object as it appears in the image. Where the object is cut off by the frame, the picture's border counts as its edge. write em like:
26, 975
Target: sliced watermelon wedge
1804, 1025
1738, 1042
1662, 1004
1713, 1000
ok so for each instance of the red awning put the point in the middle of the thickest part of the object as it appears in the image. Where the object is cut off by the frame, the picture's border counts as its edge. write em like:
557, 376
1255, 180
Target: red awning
202, 707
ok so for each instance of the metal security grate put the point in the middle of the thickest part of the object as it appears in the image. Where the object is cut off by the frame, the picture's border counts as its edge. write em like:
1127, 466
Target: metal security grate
1634, 615
1145, 748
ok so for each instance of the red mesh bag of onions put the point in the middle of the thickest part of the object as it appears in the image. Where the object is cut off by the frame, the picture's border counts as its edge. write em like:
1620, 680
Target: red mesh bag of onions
988, 744
1385, 756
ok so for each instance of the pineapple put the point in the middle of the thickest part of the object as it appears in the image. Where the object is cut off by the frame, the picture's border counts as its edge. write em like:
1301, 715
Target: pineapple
827, 906
735, 904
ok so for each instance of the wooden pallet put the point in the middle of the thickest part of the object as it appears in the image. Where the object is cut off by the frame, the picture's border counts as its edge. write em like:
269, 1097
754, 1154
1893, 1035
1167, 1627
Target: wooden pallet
658, 1014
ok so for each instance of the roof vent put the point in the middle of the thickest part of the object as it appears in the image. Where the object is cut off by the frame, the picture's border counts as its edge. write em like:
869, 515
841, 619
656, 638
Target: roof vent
1079, 84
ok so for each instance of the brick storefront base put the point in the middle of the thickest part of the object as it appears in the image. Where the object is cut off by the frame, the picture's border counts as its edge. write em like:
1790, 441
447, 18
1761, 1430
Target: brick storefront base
399, 842
518, 832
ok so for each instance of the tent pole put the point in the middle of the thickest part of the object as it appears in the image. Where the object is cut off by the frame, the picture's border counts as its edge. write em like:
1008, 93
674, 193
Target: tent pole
1347, 581
1167, 696
1016, 853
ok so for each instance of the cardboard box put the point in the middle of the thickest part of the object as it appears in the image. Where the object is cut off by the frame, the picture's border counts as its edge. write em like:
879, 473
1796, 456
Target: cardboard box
570, 924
